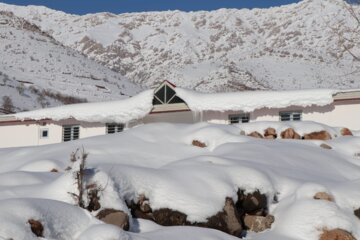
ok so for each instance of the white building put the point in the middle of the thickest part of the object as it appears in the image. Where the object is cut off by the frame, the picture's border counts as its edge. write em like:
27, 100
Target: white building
170, 104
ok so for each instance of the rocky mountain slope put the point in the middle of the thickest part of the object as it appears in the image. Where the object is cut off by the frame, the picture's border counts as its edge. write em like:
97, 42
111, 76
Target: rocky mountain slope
37, 71
289, 47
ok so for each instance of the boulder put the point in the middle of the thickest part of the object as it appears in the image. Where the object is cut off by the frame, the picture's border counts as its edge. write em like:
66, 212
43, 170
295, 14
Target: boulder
255, 135
168, 217
114, 217
325, 146
144, 204
346, 132
94, 203
357, 213
197, 143
290, 134
270, 133
258, 223
228, 220
323, 196
321, 135
36, 227
336, 234
252, 203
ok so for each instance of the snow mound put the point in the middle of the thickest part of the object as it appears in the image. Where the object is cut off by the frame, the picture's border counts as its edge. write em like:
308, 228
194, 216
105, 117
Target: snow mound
248, 101
121, 111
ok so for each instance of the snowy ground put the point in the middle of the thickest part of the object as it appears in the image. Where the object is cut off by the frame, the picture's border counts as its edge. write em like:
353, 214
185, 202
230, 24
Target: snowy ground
159, 161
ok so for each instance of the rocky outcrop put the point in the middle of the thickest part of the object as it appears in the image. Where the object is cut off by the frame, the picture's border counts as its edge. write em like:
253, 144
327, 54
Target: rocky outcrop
114, 217
346, 132
255, 135
258, 223
323, 196
231, 219
36, 227
290, 134
198, 143
336, 234
321, 135
270, 133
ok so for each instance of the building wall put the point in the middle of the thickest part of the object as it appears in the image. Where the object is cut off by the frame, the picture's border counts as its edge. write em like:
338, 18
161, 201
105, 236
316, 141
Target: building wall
339, 114
170, 117
29, 133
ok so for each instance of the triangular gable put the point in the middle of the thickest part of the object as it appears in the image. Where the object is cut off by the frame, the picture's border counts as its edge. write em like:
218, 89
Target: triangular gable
166, 100
165, 94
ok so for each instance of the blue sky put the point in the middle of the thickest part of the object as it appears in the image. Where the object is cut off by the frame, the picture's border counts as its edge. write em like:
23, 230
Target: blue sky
121, 6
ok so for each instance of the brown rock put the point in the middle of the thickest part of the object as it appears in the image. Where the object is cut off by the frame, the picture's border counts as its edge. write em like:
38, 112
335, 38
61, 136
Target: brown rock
357, 213
258, 223
54, 170
197, 143
255, 135
144, 204
168, 217
325, 146
36, 227
346, 132
336, 234
252, 203
323, 196
226, 221
114, 217
270, 133
290, 134
322, 135
94, 203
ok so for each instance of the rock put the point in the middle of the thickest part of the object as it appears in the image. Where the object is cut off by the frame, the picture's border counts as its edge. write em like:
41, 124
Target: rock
255, 135
290, 134
357, 213
322, 135
94, 203
228, 220
36, 227
114, 217
144, 204
168, 217
323, 196
258, 223
252, 203
325, 146
346, 132
336, 234
197, 143
270, 133
54, 170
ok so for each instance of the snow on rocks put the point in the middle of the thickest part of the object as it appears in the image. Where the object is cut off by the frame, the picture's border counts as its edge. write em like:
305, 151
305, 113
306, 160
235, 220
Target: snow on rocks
170, 173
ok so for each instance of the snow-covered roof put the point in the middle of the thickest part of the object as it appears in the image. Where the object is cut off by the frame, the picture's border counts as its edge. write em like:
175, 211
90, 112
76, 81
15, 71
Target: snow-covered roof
248, 101
120, 111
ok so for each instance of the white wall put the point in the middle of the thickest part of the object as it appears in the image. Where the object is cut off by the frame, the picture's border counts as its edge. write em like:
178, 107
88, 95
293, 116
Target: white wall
339, 114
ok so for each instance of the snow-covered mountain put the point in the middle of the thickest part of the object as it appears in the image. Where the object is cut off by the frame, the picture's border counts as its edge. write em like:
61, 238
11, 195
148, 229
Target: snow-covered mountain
38, 71
289, 47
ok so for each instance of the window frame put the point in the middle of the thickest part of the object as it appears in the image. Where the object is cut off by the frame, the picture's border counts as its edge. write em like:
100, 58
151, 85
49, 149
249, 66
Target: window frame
291, 116
41, 131
165, 86
242, 118
72, 132
118, 127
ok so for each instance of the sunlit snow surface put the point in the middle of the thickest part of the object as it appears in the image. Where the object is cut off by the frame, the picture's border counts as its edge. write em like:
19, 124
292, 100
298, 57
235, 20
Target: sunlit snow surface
159, 161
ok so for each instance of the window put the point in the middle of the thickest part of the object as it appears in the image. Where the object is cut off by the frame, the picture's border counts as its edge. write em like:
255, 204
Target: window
239, 118
44, 133
290, 116
114, 128
71, 132
166, 95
